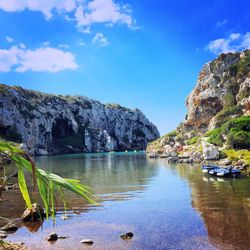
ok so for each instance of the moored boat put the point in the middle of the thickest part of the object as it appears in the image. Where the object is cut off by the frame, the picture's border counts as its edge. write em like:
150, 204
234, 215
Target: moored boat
207, 168
221, 172
227, 172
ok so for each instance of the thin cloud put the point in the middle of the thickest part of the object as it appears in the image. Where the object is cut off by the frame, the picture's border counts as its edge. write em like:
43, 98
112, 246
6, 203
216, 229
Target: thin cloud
43, 59
9, 39
100, 40
222, 23
234, 42
80, 42
63, 46
46, 43
22, 46
85, 30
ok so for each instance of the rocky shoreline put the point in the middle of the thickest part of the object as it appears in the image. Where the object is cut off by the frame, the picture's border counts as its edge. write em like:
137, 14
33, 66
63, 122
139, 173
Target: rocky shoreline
217, 124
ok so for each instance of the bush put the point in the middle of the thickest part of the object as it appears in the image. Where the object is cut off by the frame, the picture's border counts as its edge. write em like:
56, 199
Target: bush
243, 66
215, 137
224, 115
235, 132
192, 140
171, 134
241, 139
235, 155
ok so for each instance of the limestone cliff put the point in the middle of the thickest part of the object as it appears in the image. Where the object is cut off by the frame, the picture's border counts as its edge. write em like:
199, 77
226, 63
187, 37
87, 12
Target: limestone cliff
50, 124
218, 112
222, 89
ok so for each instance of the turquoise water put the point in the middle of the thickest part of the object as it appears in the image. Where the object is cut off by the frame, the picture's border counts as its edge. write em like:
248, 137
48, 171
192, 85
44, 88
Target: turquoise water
165, 206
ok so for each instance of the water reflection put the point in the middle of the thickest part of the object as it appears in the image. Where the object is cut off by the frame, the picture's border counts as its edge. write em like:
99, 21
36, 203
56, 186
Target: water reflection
166, 206
224, 205
111, 176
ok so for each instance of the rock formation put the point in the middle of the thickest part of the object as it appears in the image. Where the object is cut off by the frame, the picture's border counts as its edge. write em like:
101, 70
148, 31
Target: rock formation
50, 124
223, 85
218, 112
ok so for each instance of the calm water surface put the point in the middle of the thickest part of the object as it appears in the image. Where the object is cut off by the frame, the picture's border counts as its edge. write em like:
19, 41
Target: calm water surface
165, 206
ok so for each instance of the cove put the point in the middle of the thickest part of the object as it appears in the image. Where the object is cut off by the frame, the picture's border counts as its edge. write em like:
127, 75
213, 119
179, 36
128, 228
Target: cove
165, 206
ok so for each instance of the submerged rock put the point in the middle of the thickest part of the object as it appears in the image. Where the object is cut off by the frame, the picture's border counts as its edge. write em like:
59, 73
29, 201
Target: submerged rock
10, 227
3, 234
52, 237
64, 217
11, 186
36, 213
127, 236
87, 241
1, 190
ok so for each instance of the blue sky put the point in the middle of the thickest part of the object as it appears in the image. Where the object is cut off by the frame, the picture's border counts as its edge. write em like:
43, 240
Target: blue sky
144, 54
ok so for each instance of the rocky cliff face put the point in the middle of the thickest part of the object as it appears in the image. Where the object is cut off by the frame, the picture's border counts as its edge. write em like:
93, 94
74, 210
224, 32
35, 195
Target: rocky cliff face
219, 103
222, 89
50, 124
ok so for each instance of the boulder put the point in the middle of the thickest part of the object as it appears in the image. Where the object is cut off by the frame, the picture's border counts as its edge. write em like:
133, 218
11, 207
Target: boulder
127, 236
1, 190
36, 213
169, 151
52, 237
87, 241
10, 227
209, 151
225, 162
3, 234
173, 159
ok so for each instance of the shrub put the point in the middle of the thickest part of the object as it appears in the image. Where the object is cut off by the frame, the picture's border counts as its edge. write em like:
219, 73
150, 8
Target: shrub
192, 140
241, 139
234, 155
224, 115
243, 66
171, 134
215, 137
233, 69
235, 132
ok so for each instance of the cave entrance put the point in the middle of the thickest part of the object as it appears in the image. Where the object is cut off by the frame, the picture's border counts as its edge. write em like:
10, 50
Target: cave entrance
10, 133
62, 132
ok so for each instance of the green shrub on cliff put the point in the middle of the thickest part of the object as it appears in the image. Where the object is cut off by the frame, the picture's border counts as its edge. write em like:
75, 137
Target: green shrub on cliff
235, 155
192, 140
224, 115
235, 132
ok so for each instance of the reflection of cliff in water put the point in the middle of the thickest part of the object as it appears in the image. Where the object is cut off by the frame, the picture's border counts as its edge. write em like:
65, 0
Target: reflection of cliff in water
224, 205
112, 176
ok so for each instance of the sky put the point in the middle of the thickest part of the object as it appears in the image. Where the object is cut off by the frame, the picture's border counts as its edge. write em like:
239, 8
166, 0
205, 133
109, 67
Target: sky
140, 54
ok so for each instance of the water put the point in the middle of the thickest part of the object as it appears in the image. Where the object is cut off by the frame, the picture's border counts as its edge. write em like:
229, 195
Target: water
165, 206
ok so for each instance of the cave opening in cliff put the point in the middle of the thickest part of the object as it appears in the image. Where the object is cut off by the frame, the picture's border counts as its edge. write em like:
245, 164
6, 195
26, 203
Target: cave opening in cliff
10, 133
62, 130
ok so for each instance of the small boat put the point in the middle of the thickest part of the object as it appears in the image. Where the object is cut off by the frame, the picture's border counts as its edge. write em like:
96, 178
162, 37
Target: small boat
207, 168
226, 172
220, 171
